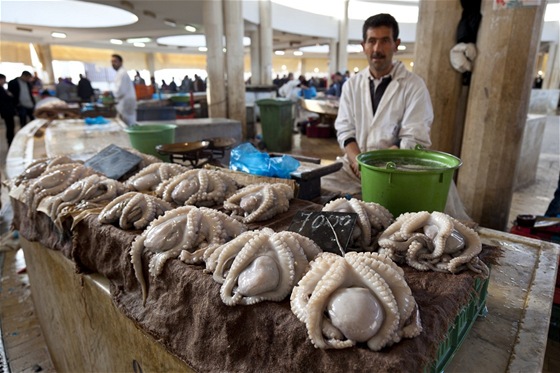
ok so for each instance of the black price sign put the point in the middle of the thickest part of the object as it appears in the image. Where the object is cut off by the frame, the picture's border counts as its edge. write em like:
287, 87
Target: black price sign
113, 162
330, 230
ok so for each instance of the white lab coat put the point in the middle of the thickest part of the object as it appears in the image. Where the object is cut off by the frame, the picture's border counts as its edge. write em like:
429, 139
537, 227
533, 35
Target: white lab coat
403, 118
125, 96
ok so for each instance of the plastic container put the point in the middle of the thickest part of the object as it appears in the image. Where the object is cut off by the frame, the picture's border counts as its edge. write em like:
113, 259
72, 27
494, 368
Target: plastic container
407, 180
145, 138
277, 123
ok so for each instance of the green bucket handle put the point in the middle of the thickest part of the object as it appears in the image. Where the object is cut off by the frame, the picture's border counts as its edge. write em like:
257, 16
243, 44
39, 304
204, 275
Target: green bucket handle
391, 166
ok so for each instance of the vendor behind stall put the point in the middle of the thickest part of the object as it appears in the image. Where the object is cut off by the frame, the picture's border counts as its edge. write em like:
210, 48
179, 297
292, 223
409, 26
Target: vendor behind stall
124, 92
383, 106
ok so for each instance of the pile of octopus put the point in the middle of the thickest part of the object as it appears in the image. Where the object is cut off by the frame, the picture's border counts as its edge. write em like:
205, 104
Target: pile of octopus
356, 299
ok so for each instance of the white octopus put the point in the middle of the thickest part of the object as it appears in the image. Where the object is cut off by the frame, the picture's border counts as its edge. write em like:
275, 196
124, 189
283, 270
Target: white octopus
361, 297
372, 220
133, 210
198, 187
39, 166
433, 241
261, 265
88, 192
259, 202
151, 176
186, 231
53, 181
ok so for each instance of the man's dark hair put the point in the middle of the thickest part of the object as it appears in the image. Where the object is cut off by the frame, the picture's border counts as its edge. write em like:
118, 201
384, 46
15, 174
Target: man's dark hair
117, 56
26, 74
378, 20
2, 76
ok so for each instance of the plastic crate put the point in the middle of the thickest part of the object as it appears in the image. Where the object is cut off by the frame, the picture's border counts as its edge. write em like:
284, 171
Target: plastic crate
461, 326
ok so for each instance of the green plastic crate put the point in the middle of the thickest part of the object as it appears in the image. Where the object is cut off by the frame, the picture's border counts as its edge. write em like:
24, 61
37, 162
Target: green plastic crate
461, 326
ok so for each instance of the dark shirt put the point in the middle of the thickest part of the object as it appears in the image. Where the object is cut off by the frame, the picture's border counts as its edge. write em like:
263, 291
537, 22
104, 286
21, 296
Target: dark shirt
7, 106
85, 90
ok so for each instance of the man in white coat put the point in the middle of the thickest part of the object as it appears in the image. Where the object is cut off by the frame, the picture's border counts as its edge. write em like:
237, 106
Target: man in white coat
125, 94
383, 106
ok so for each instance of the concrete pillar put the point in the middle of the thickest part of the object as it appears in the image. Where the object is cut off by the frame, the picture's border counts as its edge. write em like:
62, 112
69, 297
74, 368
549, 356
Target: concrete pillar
45, 56
265, 28
333, 62
434, 40
234, 58
255, 58
343, 40
508, 41
552, 73
214, 31
151, 63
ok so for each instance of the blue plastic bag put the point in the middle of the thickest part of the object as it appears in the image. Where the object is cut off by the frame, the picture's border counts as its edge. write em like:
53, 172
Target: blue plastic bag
246, 158
96, 120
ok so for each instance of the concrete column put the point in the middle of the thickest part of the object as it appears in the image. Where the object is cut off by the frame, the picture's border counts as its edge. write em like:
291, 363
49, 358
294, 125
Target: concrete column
508, 41
214, 31
151, 63
234, 58
45, 56
434, 40
255, 58
343, 40
552, 73
333, 62
265, 28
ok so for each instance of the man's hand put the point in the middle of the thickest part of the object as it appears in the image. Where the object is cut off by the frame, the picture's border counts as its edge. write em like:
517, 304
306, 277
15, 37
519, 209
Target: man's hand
352, 150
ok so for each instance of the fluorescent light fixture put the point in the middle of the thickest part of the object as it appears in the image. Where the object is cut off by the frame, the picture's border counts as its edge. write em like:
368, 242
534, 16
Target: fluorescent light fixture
298, 53
58, 35
170, 22
203, 49
139, 45
190, 28
279, 53
401, 47
356, 69
316, 70
284, 68
116, 41
138, 40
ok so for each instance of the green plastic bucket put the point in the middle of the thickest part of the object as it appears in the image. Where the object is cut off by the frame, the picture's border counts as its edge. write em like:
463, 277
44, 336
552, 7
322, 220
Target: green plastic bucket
145, 138
407, 180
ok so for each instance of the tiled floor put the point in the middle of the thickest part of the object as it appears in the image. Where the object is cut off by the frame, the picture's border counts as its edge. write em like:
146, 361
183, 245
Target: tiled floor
24, 344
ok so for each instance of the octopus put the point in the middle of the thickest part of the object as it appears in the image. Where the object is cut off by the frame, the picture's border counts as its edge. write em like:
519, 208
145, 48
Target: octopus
53, 181
433, 241
151, 176
187, 231
37, 167
133, 210
88, 192
372, 220
259, 202
261, 265
198, 187
357, 298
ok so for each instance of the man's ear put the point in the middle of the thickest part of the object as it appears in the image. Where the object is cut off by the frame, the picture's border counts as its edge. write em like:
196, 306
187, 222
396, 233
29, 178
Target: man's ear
397, 43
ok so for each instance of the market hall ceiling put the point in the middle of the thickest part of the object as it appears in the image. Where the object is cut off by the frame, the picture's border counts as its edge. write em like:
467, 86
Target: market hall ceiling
165, 18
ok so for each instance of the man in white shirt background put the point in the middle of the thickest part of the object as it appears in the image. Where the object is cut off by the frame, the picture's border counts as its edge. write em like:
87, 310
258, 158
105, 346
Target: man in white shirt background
125, 94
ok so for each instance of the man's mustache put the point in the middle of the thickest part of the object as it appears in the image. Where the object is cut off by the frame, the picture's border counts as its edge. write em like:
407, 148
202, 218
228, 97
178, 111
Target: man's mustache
378, 55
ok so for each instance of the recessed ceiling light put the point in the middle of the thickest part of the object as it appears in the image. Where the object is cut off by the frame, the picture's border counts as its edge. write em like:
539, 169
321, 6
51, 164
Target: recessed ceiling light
203, 49
116, 41
58, 35
401, 47
138, 40
190, 28
170, 22
279, 53
298, 53
139, 45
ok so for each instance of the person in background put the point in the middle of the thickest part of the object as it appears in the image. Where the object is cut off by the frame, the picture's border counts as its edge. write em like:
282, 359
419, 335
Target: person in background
172, 86
21, 90
382, 106
37, 83
336, 87
186, 84
553, 209
138, 79
7, 110
85, 90
124, 92
48, 100
307, 90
